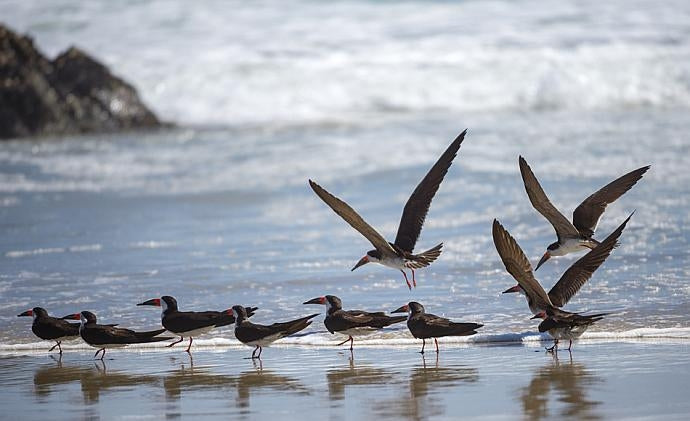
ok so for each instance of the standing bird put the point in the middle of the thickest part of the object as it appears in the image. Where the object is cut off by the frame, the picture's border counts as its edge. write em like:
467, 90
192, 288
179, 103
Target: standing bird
425, 325
51, 328
573, 279
399, 254
259, 336
575, 236
558, 323
190, 323
106, 336
351, 322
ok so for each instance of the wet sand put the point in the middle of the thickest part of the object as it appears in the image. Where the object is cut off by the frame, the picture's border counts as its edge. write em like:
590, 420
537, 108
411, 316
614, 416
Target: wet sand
640, 379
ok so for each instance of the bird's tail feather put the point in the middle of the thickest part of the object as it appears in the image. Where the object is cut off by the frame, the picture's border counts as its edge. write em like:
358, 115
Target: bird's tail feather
150, 336
425, 258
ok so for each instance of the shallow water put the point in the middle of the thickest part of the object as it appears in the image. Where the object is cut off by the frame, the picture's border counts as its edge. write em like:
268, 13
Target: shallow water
609, 380
221, 217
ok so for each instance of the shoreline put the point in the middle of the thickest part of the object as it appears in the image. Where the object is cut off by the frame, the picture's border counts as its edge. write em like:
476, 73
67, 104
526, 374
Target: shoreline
526, 339
501, 381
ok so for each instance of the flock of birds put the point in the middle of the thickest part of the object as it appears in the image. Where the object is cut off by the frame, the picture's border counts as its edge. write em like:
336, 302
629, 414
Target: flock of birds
560, 324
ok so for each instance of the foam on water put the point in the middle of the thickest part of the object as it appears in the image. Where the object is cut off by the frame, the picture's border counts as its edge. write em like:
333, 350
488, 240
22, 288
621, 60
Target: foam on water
215, 63
397, 339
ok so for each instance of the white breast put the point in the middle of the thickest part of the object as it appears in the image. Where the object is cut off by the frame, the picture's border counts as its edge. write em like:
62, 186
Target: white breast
393, 262
571, 245
567, 333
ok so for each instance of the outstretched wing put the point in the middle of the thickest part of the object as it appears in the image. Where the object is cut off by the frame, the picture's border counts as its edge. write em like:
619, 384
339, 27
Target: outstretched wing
543, 205
586, 216
417, 205
580, 272
353, 218
518, 266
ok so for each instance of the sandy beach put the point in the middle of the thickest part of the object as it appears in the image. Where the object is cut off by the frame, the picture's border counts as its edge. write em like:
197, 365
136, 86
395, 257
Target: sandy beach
599, 379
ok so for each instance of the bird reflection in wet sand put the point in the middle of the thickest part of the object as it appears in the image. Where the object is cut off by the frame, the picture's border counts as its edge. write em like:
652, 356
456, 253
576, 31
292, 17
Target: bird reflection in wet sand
258, 379
94, 380
339, 379
427, 385
570, 383
190, 378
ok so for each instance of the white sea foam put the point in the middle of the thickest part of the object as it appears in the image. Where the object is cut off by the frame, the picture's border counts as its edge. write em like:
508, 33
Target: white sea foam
51, 250
325, 63
650, 335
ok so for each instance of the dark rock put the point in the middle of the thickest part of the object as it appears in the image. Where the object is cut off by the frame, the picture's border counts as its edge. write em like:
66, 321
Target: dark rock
71, 94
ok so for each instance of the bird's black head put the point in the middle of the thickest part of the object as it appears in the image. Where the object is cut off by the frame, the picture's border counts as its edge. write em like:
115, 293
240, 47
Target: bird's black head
240, 314
168, 303
553, 246
334, 303
35, 312
412, 308
40, 312
371, 256
331, 302
88, 317
374, 254
415, 308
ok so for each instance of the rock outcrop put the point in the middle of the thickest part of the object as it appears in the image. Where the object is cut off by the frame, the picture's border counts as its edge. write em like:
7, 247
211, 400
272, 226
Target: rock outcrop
72, 94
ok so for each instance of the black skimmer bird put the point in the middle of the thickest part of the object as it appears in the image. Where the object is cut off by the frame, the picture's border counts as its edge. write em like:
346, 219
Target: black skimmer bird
106, 336
259, 336
575, 236
425, 325
51, 328
352, 322
559, 323
190, 323
399, 254
574, 278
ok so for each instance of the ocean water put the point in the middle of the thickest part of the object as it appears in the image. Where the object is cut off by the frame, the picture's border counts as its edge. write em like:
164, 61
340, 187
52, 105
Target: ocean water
361, 97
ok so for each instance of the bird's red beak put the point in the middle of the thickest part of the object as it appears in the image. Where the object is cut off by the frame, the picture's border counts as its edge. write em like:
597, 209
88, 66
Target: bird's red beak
363, 261
26, 313
516, 288
75, 316
317, 300
540, 315
544, 258
152, 302
402, 309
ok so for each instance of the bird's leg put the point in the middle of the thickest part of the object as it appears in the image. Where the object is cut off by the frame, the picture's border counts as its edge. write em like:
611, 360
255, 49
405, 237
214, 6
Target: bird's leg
349, 339
103, 354
436, 342
554, 347
259, 356
352, 341
175, 343
254, 352
414, 282
570, 345
408, 282
97, 352
190, 345
59, 347
423, 345
57, 344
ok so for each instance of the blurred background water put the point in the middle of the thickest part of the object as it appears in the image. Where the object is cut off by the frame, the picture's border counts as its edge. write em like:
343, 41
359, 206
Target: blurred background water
362, 97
